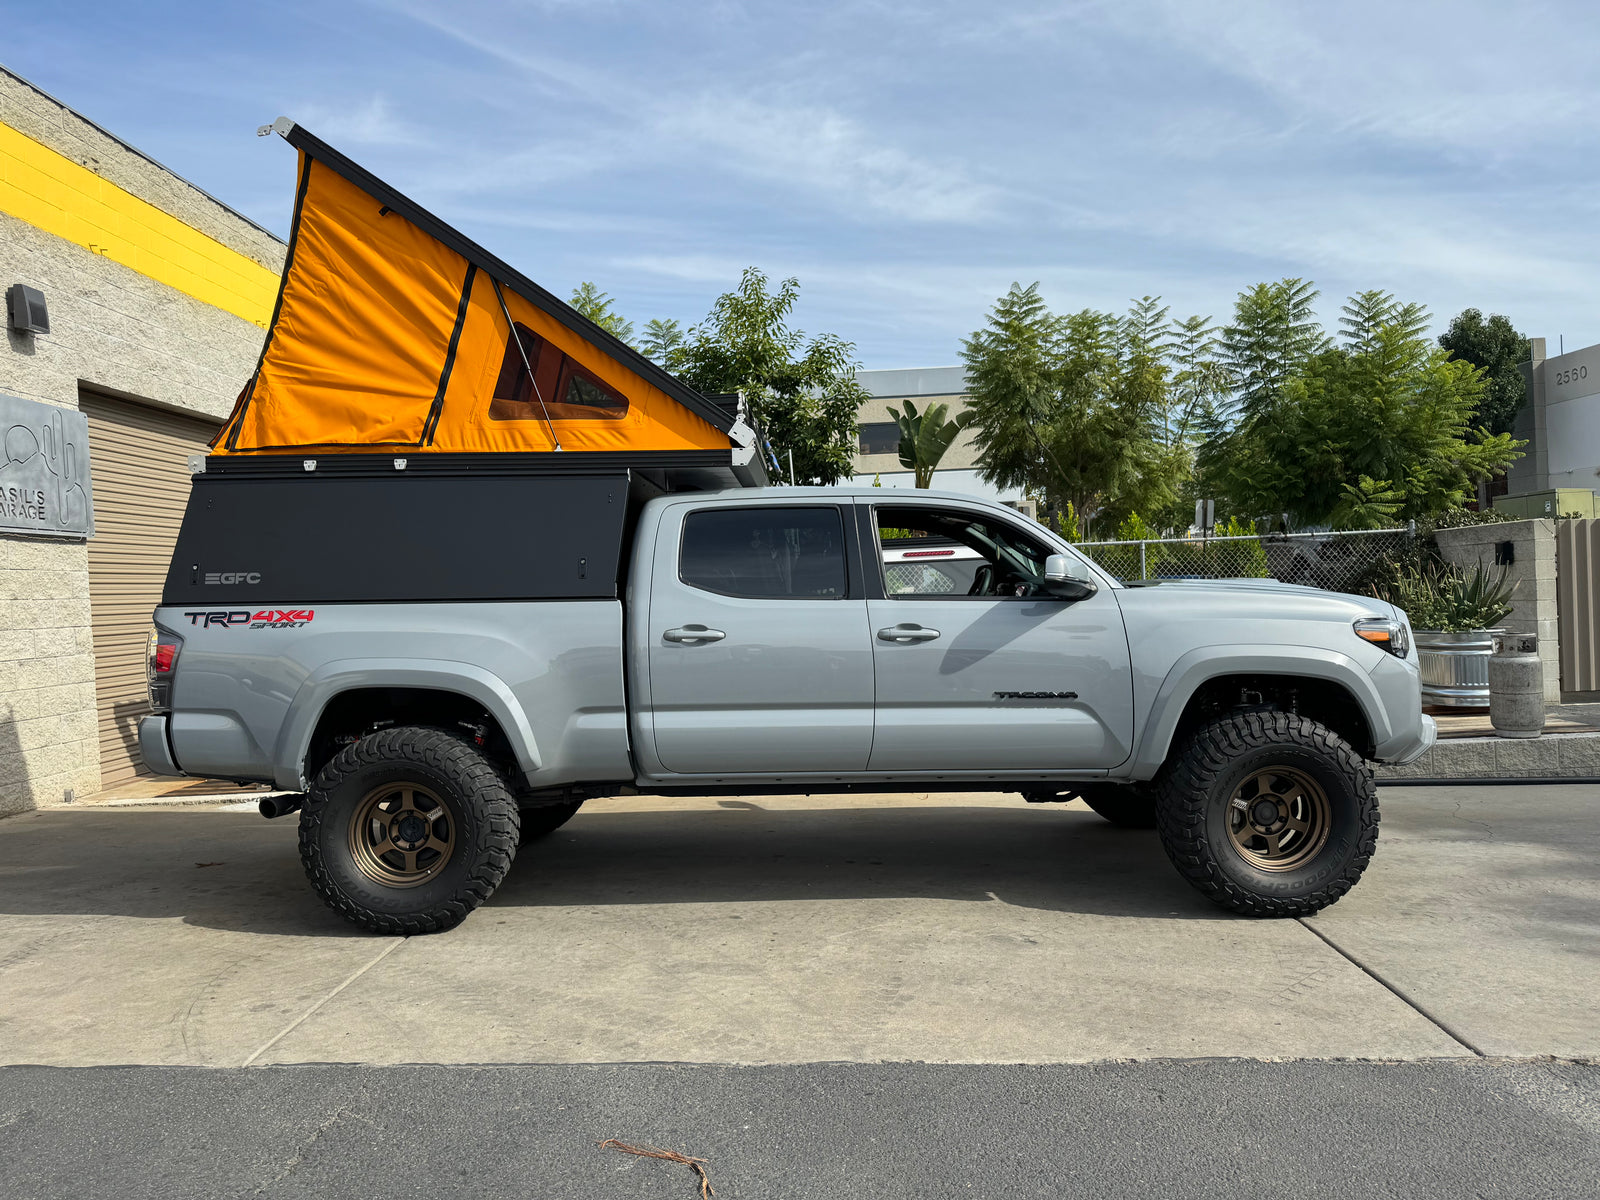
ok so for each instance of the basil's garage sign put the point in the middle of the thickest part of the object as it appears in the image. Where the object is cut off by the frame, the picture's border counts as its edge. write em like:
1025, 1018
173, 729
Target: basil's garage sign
44, 470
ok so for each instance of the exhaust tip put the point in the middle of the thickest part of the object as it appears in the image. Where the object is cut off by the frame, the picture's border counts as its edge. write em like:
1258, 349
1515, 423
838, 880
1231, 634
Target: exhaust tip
279, 806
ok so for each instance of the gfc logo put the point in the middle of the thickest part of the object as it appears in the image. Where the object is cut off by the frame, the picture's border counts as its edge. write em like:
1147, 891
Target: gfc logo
233, 576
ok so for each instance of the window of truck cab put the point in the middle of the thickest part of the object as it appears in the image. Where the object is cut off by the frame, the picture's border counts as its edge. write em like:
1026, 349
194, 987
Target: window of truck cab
767, 552
1011, 560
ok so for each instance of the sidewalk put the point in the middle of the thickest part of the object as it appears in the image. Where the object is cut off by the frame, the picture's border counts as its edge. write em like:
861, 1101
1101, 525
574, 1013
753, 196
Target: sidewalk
950, 928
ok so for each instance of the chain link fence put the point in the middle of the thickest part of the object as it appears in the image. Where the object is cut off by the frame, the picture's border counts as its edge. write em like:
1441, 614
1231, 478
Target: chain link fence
1339, 562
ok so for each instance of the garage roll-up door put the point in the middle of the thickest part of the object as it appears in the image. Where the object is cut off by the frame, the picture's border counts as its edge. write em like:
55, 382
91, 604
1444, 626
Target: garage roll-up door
139, 462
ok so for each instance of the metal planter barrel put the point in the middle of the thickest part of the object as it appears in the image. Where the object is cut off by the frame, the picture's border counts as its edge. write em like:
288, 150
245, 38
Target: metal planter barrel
1455, 666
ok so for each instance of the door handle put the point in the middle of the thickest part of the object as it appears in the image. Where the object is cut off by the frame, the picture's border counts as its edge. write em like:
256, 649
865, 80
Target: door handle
694, 633
907, 633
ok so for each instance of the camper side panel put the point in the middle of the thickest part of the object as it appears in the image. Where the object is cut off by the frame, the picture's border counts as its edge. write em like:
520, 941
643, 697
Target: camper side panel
321, 537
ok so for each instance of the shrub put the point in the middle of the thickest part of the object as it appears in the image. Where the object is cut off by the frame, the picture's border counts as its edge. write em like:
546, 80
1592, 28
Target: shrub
1450, 600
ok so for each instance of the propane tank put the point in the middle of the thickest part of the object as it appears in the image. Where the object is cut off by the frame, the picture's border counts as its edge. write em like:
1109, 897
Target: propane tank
1516, 686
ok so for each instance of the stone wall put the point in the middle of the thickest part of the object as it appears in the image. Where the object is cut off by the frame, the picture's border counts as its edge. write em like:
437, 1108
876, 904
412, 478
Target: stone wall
1533, 575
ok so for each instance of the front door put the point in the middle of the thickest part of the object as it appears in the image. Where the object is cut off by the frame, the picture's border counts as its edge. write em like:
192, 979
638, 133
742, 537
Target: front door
978, 669
760, 660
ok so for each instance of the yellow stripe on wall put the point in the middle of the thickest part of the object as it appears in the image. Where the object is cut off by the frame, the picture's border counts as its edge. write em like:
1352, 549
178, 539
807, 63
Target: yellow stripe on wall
55, 194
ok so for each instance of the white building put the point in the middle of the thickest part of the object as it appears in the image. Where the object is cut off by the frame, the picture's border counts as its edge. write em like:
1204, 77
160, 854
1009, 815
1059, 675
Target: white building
878, 456
1560, 422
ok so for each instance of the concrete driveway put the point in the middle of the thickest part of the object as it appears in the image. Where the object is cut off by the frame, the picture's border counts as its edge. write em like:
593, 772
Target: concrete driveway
958, 929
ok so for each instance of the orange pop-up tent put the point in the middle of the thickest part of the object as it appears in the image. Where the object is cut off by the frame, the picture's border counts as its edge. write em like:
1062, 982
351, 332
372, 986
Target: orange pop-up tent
393, 332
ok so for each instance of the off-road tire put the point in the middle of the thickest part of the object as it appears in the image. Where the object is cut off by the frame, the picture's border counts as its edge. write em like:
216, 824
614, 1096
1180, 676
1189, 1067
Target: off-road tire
1131, 806
545, 819
1197, 784
480, 805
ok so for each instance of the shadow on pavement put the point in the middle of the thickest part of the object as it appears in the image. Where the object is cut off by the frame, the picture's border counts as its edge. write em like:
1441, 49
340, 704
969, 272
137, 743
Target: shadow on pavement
234, 871
1523, 856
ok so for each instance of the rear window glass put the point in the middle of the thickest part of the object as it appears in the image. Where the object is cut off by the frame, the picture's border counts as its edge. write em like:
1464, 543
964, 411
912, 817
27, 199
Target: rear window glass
765, 553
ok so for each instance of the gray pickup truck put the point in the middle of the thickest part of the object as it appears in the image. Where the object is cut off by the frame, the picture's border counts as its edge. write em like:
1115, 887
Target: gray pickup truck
430, 706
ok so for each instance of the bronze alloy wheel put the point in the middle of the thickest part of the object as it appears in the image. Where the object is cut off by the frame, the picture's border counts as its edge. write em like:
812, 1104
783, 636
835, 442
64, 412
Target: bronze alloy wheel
1279, 819
401, 835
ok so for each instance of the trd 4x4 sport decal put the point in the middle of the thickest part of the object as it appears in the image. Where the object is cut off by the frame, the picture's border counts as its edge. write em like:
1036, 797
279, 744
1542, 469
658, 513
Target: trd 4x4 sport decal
266, 618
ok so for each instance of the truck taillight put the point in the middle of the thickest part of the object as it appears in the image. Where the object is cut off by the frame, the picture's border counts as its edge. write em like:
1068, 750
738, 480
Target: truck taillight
160, 663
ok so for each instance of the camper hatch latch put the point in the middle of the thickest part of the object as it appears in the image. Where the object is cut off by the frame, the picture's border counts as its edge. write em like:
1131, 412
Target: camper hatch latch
309, 464
399, 464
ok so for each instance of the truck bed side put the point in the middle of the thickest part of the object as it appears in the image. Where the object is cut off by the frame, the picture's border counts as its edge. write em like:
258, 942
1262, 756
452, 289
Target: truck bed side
253, 688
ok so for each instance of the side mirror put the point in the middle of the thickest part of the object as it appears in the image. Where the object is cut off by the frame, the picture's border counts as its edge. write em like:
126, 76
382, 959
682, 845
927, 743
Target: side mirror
1068, 578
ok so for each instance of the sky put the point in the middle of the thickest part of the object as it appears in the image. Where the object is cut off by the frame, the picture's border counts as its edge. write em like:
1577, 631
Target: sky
905, 161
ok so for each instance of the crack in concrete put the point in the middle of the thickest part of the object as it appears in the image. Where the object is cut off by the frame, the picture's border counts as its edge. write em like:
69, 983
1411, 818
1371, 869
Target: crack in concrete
1392, 989
313, 1010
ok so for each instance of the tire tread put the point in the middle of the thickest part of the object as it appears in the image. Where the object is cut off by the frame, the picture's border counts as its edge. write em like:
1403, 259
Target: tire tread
479, 783
1187, 785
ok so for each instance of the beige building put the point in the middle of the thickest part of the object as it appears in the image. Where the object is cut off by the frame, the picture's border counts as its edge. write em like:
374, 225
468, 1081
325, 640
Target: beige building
878, 455
155, 297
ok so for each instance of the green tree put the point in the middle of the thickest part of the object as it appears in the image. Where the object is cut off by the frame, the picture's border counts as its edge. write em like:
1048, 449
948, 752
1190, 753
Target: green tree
1498, 350
1368, 504
802, 394
1065, 408
591, 302
1273, 334
1200, 381
660, 339
1368, 312
1382, 426
925, 436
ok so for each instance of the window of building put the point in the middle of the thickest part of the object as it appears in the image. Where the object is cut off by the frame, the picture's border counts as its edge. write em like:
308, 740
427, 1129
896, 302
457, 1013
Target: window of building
934, 552
880, 437
765, 553
569, 392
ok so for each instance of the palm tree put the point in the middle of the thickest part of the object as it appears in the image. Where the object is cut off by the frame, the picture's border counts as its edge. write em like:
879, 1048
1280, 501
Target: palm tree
925, 436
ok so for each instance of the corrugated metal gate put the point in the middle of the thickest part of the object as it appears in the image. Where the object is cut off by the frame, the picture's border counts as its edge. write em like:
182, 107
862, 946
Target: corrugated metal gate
139, 463
1578, 603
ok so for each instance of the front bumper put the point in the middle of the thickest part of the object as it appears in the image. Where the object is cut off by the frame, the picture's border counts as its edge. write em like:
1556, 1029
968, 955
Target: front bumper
1411, 731
155, 747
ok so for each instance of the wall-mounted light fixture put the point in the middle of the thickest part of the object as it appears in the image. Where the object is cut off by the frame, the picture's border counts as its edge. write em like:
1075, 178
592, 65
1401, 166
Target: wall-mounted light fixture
26, 310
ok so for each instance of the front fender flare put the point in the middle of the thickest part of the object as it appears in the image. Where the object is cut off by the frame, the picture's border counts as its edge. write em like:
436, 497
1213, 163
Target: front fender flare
1208, 662
343, 675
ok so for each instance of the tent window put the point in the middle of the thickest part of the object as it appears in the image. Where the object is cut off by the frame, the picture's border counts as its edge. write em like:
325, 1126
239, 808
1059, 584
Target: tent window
569, 392
583, 397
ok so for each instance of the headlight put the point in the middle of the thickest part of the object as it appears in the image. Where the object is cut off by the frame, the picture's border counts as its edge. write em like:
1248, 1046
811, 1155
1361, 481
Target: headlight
1392, 635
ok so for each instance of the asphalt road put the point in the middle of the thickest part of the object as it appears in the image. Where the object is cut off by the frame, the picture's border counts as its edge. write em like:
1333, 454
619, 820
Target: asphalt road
1215, 1128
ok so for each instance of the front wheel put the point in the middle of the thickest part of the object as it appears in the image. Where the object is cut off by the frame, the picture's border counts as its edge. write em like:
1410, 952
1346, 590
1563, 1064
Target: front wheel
1269, 814
407, 831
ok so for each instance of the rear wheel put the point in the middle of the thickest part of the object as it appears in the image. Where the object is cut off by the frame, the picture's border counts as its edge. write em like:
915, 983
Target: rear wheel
546, 819
1269, 814
407, 831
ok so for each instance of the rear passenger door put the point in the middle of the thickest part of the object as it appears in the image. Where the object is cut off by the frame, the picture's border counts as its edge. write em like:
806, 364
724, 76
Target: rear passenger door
759, 655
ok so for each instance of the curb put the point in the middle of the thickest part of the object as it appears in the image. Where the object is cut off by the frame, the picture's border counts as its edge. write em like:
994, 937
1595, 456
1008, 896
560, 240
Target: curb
1551, 758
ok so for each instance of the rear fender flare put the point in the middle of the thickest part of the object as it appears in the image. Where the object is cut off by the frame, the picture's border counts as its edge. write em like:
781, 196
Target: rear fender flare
334, 678
1197, 666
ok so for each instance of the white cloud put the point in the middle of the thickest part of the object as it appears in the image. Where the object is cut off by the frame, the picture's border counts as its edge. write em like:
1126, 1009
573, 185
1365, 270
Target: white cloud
370, 122
814, 148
